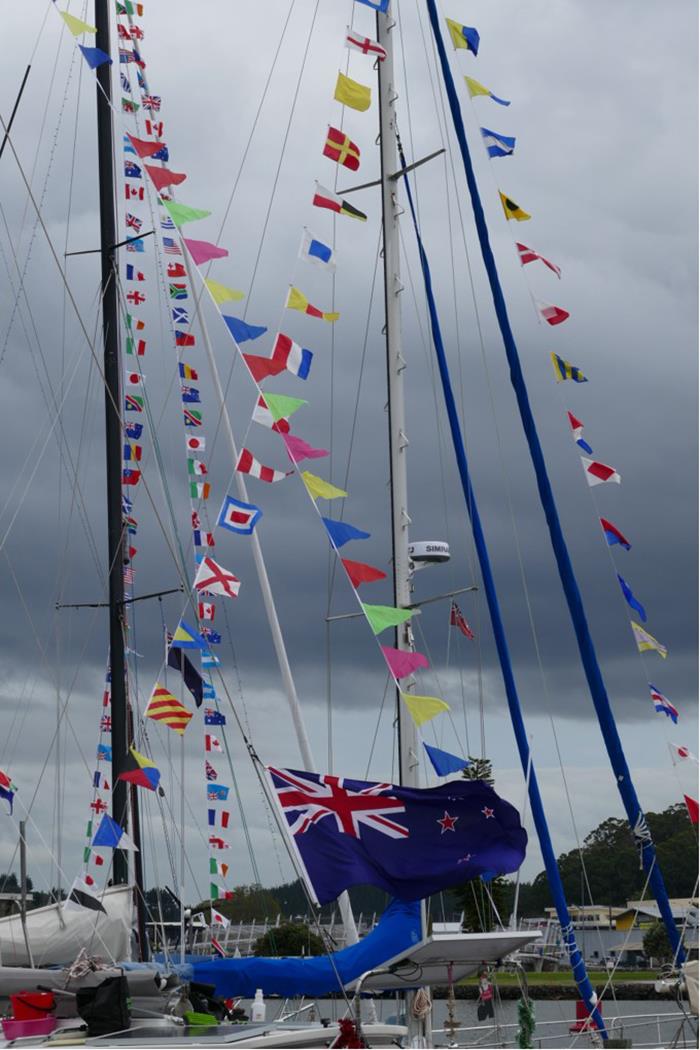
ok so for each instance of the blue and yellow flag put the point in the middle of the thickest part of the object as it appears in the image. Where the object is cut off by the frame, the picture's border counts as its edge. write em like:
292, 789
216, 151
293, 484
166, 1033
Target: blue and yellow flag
565, 370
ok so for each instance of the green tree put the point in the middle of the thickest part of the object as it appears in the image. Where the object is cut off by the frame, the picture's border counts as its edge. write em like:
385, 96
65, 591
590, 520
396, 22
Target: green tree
289, 938
656, 943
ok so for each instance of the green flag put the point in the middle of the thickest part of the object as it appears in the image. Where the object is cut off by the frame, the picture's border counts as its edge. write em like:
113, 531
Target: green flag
281, 406
382, 616
182, 213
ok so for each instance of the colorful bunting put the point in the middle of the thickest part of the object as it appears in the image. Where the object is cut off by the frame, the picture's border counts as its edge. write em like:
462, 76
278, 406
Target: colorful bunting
186, 637
693, 808
475, 88
313, 250
296, 300
111, 835
457, 620
203, 251
598, 473
142, 147
423, 708
140, 771
565, 370
324, 198
294, 358
262, 368
646, 642
513, 210
381, 617
221, 294
352, 94
444, 762
403, 662
359, 572
241, 330
298, 449
340, 148
263, 415
95, 56
190, 675
577, 431
162, 177
340, 532
320, 489
464, 37
282, 407
76, 25
248, 464
182, 213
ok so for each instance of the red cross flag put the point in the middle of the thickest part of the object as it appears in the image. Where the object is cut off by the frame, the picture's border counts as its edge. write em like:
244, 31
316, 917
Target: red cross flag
357, 42
212, 578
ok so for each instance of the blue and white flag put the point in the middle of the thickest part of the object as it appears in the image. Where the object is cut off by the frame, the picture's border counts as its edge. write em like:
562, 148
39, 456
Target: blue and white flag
497, 145
112, 835
180, 315
412, 843
313, 250
376, 5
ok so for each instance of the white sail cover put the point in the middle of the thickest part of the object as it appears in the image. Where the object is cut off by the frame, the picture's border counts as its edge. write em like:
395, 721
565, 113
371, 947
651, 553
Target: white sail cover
57, 934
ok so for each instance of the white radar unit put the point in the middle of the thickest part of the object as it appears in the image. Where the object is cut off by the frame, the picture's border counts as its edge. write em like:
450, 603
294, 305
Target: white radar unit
428, 552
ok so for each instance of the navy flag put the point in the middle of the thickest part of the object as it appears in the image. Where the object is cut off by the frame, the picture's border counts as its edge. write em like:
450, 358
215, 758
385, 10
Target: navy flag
410, 842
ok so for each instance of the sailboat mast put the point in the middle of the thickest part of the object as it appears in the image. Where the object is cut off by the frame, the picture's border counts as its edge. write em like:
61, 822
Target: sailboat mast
398, 443
112, 366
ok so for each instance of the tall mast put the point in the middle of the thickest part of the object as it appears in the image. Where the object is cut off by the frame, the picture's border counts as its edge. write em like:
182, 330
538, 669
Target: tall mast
398, 443
112, 368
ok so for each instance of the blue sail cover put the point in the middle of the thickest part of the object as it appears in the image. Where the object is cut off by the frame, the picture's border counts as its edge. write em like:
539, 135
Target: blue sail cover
397, 932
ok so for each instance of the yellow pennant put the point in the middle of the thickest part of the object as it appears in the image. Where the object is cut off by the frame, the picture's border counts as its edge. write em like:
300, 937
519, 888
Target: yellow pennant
352, 94
423, 708
296, 300
76, 26
221, 294
320, 489
513, 210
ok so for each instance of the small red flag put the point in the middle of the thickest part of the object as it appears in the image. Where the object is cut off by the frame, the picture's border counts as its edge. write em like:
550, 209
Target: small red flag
361, 573
692, 804
162, 177
143, 147
457, 620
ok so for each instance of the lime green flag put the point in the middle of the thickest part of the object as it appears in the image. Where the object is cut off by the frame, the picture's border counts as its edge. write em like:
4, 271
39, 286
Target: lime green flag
423, 708
76, 25
221, 294
382, 616
317, 487
182, 213
281, 406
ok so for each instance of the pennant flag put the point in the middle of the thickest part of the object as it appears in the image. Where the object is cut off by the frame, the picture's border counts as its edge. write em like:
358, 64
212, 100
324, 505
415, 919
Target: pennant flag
112, 835
142, 147
662, 705
463, 36
320, 489
457, 620
423, 708
376, 5
76, 25
349, 832
513, 210
475, 88
382, 616
324, 198
497, 145
282, 407
340, 532
162, 177
190, 675
692, 807
403, 663
646, 642
248, 464
217, 919
313, 250
340, 148
356, 42
361, 573
613, 535
221, 294
186, 637
204, 251
598, 473
352, 94
296, 300
565, 370
212, 744
239, 517
445, 763
528, 255
263, 416
212, 578
298, 449
552, 314
164, 707
241, 331
140, 771
95, 56
262, 367
8, 789
182, 213
577, 431
81, 896
631, 600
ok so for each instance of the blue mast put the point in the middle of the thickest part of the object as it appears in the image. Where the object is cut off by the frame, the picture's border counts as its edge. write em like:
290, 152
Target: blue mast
601, 702
578, 965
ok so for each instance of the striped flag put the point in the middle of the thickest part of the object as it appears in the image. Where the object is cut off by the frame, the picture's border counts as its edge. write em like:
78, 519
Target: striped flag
218, 818
164, 707
577, 431
294, 358
662, 705
528, 255
263, 415
565, 370
248, 464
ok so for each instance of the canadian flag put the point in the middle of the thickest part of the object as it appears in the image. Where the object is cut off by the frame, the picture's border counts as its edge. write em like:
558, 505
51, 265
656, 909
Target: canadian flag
598, 473
206, 610
211, 743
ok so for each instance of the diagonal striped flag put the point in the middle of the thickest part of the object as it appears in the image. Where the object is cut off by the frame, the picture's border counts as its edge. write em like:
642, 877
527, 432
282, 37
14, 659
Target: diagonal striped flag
164, 707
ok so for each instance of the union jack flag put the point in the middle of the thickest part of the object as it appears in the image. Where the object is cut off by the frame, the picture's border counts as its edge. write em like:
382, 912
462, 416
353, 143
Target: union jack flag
151, 102
457, 620
106, 723
307, 798
133, 222
211, 772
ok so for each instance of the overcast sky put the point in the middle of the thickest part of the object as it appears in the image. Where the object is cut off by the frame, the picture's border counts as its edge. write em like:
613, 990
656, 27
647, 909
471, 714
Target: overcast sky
604, 112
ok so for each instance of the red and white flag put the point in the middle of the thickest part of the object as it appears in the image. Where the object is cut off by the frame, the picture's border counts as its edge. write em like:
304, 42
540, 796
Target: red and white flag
217, 919
357, 42
195, 443
216, 947
598, 473
692, 806
528, 255
217, 843
552, 314
263, 415
212, 743
212, 578
248, 464
206, 610
457, 620
680, 751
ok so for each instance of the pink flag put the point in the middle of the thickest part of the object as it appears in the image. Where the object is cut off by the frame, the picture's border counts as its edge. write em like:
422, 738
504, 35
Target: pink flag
203, 251
163, 177
598, 473
552, 314
401, 663
144, 147
528, 255
299, 449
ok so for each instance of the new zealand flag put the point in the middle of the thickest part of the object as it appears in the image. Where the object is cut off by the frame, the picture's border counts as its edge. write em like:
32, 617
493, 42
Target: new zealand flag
408, 841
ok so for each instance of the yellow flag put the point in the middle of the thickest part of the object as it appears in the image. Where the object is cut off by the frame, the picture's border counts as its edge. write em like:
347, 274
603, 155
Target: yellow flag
221, 294
296, 300
423, 708
320, 489
352, 94
513, 210
475, 88
76, 26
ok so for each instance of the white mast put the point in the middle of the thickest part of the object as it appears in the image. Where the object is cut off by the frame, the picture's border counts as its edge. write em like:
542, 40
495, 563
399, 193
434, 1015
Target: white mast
398, 442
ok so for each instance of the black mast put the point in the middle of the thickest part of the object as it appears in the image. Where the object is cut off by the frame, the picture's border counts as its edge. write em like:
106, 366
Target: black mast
121, 735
